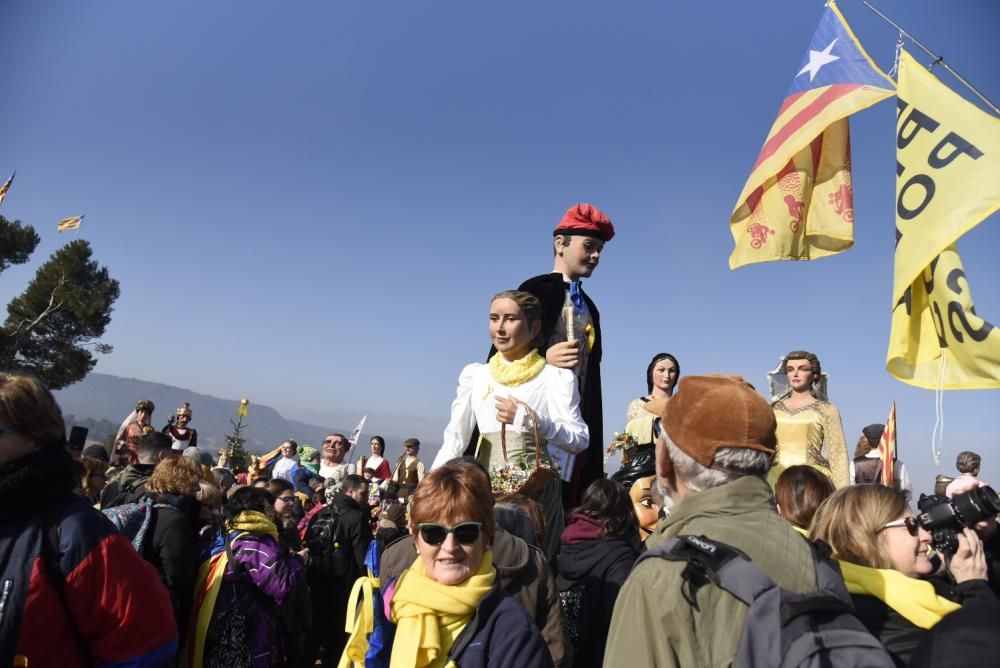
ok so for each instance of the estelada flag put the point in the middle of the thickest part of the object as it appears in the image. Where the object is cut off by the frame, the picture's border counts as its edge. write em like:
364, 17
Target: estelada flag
887, 448
6, 186
798, 203
948, 159
71, 223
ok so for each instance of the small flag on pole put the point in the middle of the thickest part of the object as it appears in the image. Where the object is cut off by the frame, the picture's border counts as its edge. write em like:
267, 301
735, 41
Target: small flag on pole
887, 449
6, 186
356, 434
71, 223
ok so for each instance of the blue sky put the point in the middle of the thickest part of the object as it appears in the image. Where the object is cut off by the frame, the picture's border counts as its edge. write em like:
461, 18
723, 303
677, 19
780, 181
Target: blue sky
311, 203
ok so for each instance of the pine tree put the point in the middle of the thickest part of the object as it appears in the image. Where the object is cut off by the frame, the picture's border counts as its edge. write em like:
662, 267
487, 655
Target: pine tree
239, 460
53, 325
17, 242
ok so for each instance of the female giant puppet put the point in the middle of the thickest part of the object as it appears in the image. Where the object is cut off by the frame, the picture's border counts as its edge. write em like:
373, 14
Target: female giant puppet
808, 424
638, 470
501, 391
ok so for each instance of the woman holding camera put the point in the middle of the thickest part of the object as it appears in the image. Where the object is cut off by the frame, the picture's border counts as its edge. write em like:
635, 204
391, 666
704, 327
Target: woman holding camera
883, 554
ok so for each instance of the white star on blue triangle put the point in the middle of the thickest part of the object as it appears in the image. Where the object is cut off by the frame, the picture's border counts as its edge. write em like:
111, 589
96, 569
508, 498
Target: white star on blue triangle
833, 57
818, 59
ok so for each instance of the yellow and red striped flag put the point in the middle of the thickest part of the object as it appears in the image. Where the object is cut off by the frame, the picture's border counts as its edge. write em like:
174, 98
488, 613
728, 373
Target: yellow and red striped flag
6, 186
887, 448
798, 203
71, 223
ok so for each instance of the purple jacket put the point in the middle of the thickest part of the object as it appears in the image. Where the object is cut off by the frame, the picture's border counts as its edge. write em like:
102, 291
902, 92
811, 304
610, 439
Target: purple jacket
258, 586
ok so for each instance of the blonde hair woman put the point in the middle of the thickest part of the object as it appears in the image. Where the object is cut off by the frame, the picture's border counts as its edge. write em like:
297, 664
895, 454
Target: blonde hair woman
884, 557
494, 397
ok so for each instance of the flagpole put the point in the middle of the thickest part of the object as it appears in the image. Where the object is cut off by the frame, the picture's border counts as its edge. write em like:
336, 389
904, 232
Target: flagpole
937, 59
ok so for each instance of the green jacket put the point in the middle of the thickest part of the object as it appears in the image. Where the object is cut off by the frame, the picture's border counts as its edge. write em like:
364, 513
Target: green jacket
654, 626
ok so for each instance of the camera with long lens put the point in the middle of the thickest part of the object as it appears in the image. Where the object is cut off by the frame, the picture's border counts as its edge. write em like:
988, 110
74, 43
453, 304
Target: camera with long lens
944, 518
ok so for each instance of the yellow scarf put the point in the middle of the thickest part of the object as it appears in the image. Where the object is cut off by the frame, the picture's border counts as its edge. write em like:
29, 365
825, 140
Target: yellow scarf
253, 522
429, 616
517, 372
914, 599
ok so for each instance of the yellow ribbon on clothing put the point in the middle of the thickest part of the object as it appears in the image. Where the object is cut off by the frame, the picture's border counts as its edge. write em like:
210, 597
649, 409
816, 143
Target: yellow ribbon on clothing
360, 620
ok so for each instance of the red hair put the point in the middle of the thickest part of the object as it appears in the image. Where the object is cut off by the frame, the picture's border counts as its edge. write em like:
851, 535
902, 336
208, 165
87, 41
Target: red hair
458, 491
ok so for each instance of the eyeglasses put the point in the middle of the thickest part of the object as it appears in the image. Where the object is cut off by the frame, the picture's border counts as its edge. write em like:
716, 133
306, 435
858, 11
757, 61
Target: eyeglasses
466, 533
911, 523
287, 499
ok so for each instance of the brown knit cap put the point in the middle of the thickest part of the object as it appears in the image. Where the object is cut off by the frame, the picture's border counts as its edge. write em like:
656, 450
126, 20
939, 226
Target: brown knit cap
718, 411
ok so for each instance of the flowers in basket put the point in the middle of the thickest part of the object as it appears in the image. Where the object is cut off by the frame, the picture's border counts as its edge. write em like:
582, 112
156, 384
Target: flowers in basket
621, 442
518, 477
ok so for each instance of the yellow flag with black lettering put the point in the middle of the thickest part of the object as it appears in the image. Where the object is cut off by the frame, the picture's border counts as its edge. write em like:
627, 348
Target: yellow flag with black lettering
947, 182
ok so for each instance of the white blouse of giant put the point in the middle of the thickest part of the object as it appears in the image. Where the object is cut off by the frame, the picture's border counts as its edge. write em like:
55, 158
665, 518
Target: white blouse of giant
552, 394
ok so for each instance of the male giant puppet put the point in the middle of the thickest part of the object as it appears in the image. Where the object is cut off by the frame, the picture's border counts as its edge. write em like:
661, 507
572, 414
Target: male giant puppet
571, 331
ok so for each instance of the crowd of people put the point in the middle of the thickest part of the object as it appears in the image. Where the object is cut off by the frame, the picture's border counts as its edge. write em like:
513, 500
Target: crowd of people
737, 531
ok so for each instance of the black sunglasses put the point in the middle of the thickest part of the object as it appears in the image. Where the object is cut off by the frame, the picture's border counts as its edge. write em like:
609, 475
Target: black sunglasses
466, 533
912, 525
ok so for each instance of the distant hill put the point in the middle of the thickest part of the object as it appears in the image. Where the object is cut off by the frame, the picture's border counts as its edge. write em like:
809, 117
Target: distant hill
101, 401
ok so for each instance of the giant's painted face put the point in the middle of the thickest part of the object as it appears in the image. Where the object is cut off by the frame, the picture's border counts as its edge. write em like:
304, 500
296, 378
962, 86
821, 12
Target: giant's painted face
645, 509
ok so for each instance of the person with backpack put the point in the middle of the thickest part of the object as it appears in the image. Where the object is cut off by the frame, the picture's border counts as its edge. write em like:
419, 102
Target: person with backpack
73, 592
242, 589
712, 459
129, 486
866, 467
338, 538
171, 545
596, 553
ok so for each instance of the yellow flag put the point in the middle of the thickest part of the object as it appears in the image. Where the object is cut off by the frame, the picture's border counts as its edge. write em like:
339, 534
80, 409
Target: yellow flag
948, 162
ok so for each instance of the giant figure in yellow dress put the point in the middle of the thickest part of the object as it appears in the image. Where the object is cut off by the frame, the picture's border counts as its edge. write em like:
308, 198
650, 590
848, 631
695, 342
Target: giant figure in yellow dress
809, 427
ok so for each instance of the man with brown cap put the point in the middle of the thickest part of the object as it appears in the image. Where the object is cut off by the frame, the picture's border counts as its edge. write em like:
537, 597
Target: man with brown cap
571, 331
712, 458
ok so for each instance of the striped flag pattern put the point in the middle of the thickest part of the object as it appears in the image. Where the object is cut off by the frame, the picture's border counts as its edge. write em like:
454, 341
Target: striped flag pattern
71, 223
798, 201
6, 186
887, 448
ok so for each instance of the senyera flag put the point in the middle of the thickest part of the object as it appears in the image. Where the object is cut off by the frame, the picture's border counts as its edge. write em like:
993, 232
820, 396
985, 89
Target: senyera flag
887, 448
798, 203
6, 186
71, 223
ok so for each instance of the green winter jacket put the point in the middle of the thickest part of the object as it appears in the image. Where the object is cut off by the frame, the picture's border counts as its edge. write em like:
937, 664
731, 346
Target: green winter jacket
653, 625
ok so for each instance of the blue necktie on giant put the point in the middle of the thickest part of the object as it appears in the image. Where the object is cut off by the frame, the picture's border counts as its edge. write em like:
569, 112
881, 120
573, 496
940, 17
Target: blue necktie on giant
576, 296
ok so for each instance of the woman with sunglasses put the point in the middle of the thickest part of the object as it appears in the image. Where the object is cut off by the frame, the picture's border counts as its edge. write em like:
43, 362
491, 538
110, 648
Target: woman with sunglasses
511, 395
448, 607
884, 558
